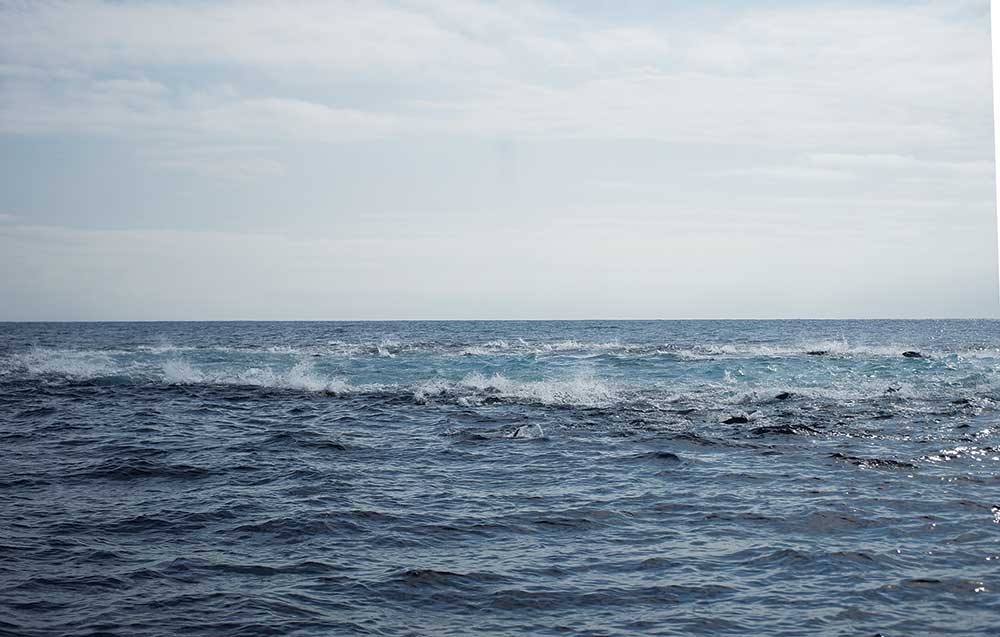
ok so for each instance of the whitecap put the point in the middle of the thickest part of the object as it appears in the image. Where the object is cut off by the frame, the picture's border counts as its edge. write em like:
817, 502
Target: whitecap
180, 372
528, 432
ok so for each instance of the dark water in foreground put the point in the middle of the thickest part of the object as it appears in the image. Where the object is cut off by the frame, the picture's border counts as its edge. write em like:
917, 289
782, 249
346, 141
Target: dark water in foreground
521, 478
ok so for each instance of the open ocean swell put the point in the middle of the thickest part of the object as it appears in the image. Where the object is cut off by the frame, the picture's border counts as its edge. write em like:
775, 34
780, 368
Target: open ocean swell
446, 478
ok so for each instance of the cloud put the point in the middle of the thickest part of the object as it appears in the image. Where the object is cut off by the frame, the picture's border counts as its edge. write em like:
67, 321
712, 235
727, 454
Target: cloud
888, 161
530, 154
718, 54
858, 77
238, 162
150, 109
809, 173
206, 275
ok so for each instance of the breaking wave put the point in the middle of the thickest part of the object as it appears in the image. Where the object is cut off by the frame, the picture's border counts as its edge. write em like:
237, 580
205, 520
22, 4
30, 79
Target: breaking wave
390, 347
571, 372
583, 390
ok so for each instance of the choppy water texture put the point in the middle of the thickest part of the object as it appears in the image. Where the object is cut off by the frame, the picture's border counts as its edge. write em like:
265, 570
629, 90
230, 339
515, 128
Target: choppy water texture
481, 478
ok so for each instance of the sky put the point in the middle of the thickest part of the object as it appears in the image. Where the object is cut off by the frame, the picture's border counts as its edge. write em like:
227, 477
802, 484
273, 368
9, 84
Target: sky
513, 160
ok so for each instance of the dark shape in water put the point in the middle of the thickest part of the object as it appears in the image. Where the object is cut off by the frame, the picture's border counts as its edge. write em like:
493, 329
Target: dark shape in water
736, 420
912, 354
785, 395
528, 431
657, 455
818, 352
873, 463
784, 430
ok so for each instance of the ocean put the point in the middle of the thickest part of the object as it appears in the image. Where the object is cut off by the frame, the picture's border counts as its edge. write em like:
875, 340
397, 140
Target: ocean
472, 478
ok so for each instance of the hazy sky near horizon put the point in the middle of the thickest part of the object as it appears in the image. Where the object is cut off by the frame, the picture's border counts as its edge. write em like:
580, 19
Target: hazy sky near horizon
522, 159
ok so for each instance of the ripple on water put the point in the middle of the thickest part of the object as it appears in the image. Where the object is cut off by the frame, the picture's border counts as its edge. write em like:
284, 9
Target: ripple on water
499, 478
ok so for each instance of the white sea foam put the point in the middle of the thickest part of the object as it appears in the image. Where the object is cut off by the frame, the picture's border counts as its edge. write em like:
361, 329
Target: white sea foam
583, 389
390, 347
475, 389
722, 383
302, 376
180, 372
828, 348
425, 392
832, 349
77, 364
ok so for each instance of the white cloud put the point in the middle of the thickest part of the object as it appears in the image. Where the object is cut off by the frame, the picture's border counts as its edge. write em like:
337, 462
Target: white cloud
888, 161
66, 273
239, 162
671, 154
718, 54
787, 172
277, 119
150, 109
854, 77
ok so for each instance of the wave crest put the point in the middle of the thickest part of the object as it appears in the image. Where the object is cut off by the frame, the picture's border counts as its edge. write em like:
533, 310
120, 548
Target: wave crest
477, 389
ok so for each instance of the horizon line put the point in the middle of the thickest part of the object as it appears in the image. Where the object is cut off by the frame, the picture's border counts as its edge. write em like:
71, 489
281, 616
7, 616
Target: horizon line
496, 320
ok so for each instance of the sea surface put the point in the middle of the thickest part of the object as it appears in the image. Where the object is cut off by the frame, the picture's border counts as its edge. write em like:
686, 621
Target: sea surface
472, 478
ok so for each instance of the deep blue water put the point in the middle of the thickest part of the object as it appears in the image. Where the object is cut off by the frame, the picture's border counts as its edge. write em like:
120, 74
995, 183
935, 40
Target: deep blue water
544, 478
